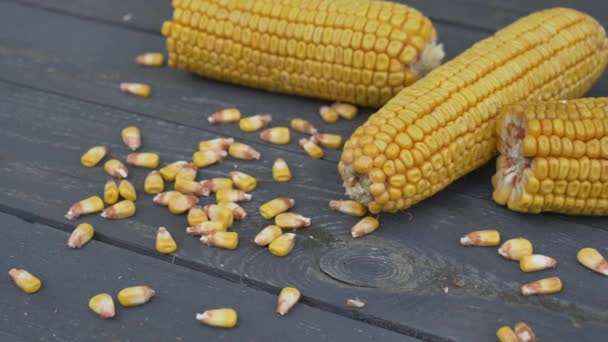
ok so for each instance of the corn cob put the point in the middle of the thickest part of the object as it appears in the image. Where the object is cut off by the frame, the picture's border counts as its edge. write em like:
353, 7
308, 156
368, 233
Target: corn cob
442, 127
357, 51
554, 157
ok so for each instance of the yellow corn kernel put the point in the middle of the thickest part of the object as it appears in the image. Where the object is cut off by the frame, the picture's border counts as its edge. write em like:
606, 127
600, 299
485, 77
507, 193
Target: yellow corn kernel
215, 144
187, 172
204, 228
282, 245
87, 206
276, 206
506, 334
196, 214
164, 241
291, 220
182, 203
327, 140
228, 115
164, 197
311, 148
205, 158
352, 208
367, 225
483, 238
103, 305
276, 135
154, 59
188, 187
267, 235
154, 184
168, 172
515, 249
231, 195
127, 190
93, 156
524, 332
328, 114
80, 236
131, 136
243, 151
593, 260
25, 280
219, 213
536, 262
280, 171
135, 296
237, 211
139, 89
120, 210
543, 286
243, 181
110, 192
116, 169
288, 297
147, 160
221, 239
345, 110
254, 123
303, 126
219, 318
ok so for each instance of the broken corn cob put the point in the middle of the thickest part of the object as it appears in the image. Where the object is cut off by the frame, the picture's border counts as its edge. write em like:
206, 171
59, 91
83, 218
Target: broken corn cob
116, 169
127, 190
288, 297
506, 334
352, 208
291, 220
179, 204
327, 140
282, 245
243, 181
24, 280
206, 227
554, 157
221, 239
303, 126
276, 206
362, 52
215, 144
135, 296
312, 149
139, 89
231, 195
328, 114
220, 318
154, 59
131, 136
103, 305
168, 172
154, 183
254, 123
188, 172
93, 156
164, 197
366, 226
80, 236
120, 210
237, 211
219, 213
345, 110
543, 286
484, 238
164, 241
188, 187
267, 235
227, 115
110, 192
217, 184
593, 260
536, 262
280, 171
515, 249
524, 332
243, 151
209, 157
196, 214
276, 135
147, 160
90, 205
442, 127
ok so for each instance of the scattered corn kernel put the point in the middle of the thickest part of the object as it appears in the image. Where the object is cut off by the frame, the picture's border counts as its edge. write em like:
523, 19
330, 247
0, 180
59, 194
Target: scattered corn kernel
345, 110
217, 184
196, 214
366, 226
164, 241
282, 245
482, 238
243, 151
188, 172
288, 297
543, 286
276, 206
328, 114
147, 160
228, 115
127, 190
154, 183
356, 303
110, 192
120, 210
103, 305
220, 318
327, 140
219, 213
204, 228
182, 203
237, 211
232, 195
593, 260
524, 332
155, 59
81, 235
243, 181
139, 89
311, 148
215, 144
506, 334
135, 296
280, 171
253, 123
209, 157
291, 220
221, 239
164, 197
93, 156
303, 126
188, 187
536, 262
168, 172
116, 169
352, 208
131, 136
515, 249
24, 280
276, 135
87, 206
267, 235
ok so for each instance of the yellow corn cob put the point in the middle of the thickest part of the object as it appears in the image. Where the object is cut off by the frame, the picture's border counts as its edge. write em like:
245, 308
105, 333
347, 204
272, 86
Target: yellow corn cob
187, 172
135, 296
348, 207
110, 192
243, 151
267, 235
288, 297
515, 249
276, 135
367, 225
593, 260
276, 206
227, 115
345, 110
103, 305
127, 190
358, 51
524, 332
554, 157
243, 181
196, 214
221, 239
164, 197
328, 114
205, 158
291, 220
89, 205
226, 195
217, 184
205, 228
116, 169
219, 213
155, 59
536, 262
81, 235
506, 334
282, 245
27, 282
543, 286
164, 241
168, 172
237, 211
147, 160
139, 89
303, 126
154, 183
485, 238
179, 204
327, 140
311, 148
221, 318
188, 187
120, 210
442, 127
93, 156
254, 123
215, 144
131, 136
280, 171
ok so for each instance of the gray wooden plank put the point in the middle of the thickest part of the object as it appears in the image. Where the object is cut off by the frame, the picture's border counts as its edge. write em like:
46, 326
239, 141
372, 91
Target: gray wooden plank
59, 312
413, 259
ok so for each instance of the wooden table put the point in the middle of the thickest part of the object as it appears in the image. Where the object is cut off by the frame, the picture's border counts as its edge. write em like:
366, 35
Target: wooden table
60, 65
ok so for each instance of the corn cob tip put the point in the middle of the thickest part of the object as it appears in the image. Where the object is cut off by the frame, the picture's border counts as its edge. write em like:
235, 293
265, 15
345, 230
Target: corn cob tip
431, 57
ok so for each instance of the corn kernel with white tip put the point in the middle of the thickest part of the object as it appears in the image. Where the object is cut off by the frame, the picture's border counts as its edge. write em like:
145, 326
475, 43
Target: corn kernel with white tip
215, 144
144, 159
93, 156
26, 281
165, 243
139, 89
135, 295
196, 214
219, 318
345, 110
80, 236
110, 192
515, 249
291, 220
312, 149
206, 227
238, 212
536, 262
267, 235
219, 213
90, 205
120, 210
127, 190
233, 195
593, 260
164, 197
243, 181
282, 245
506, 334
153, 59
303, 126
154, 183
188, 172
131, 136
116, 169
182, 203
276, 206
206, 158
288, 297
276, 135
481, 238
349, 207
188, 187
328, 114
168, 172
243, 151
544, 286
103, 305
221, 239
254, 123
327, 140
280, 171
228, 115
524, 332
366, 226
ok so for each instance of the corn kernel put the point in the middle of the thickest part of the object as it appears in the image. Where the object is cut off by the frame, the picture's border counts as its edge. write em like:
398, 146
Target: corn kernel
345, 110
352, 208
593, 260
164, 197
327, 140
110, 192
267, 235
543, 286
188, 187
254, 123
237, 211
116, 169
182, 203
506, 334
243, 181
311, 148
217, 184
204, 228
103, 305
276, 135
187, 172
367, 225
196, 214
221, 239
215, 144
243, 151
276, 206
220, 318
226, 195
147, 160
135, 296
154, 59
139, 89
127, 190
168, 172
288, 297
328, 114
282, 245
93, 156
131, 136
87, 206
483, 238
154, 184
228, 115
81, 235
24, 280
280, 171
524, 332
291, 220
303, 126
120, 210
219, 213
164, 241
515, 249
205, 158
536, 262
356, 303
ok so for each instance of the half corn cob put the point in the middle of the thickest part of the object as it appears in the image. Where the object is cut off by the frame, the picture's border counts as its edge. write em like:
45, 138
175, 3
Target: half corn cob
358, 51
442, 127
